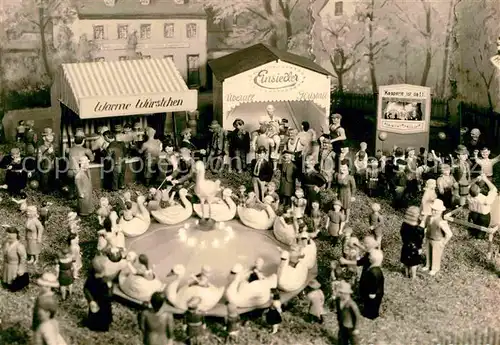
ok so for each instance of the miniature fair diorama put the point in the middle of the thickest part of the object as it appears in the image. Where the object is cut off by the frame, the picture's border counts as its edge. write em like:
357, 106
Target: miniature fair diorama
190, 243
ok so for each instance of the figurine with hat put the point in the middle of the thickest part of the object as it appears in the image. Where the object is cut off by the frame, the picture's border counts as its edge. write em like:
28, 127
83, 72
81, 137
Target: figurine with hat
114, 164
46, 158
17, 172
438, 234
98, 292
239, 145
316, 299
462, 173
288, 178
74, 153
262, 173
336, 221
14, 259
348, 315
217, 147
98, 144
371, 285
150, 151
47, 282
34, 234
83, 183
412, 236
194, 321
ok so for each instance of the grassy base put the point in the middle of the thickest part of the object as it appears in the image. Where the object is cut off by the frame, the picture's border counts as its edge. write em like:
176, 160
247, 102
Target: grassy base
463, 296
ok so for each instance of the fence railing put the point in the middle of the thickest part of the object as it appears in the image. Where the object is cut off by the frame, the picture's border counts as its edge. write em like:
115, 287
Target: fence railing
486, 337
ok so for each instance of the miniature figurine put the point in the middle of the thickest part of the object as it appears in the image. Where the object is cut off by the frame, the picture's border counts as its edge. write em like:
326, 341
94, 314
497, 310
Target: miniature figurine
157, 325
376, 221
372, 177
336, 221
99, 295
486, 163
256, 272
348, 315
170, 162
252, 201
293, 145
412, 236
363, 146
338, 137
217, 148
232, 324
299, 204
34, 233
99, 144
74, 246
428, 198
185, 172
371, 286
346, 189
273, 314
127, 199
327, 161
73, 219
262, 173
75, 152
83, 184
242, 195
118, 236
350, 254
47, 333
411, 172
271, 191
239, 145
316, 300
438, 234
475, 141
46, 161
14, 261
344, 157
104, 210
20, 130
194, 322
360, 166
150, 151
462, 173
30, 139
446, 183
45, 212
312, 182
22, 202
46, 282
288, 178
137, 135
317, 218
202, 278
17, 172
65, 273
399, 184
114, 163
479, 205
118, 132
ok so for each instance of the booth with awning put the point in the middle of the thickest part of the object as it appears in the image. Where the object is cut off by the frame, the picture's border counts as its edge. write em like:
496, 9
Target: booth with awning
246, 81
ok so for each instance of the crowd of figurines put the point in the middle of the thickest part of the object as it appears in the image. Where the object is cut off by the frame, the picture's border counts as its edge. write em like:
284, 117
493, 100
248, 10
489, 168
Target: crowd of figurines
305, 163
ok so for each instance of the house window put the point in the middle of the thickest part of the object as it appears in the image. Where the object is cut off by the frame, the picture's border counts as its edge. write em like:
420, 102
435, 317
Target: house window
145, 31
122, 58
146, 57
122, 32
168, 30
99, 59
191, 30
170, 57
99, 32
339, 8
193, 64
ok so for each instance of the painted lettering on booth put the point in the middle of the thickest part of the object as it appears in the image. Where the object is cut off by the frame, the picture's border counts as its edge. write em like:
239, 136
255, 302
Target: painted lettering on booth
231, 97
145, 103
312, 96
418, 94
276, 80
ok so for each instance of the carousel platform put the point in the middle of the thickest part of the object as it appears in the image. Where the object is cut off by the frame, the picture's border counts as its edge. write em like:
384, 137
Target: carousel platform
169, 245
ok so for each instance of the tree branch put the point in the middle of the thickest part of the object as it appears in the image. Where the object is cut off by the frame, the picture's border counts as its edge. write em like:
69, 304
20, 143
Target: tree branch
293, 6
409, 20
257, 14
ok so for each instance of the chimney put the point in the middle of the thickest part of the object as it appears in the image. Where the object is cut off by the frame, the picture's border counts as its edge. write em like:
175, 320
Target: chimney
110, 3
145, 2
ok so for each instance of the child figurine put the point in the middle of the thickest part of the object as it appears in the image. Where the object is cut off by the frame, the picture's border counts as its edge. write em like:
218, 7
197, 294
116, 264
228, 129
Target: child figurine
34, 233
74, 246
127, 198
65, 273
411, 172
104, 210
251, 201
271, 191
335, 221
446, 184
273, 314
143, 267
376, 220
360, 166
399, 184
299, 204
22, 201
335, 277
242, 195
372, 177
45, 212
20, 130
232, 324
316, 299
363, 146
350, 252
428, 198
462, 173
486, 163
317, 219
346, 189
194, 322
256, 272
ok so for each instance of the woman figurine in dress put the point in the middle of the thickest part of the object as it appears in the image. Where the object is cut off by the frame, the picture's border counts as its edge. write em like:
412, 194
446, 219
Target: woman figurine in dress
104, 210
34, 233
83, 184
273, 314
336, 221
428, 198
317, 219
346, 189
65, 273
14, 257
74, 246
47, 332
412, 236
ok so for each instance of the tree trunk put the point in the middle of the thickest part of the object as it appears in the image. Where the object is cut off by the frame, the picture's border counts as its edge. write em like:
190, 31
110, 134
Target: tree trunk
428, 53
340, 81
268, 8
427, 67
446, 57
371, 56
43, 42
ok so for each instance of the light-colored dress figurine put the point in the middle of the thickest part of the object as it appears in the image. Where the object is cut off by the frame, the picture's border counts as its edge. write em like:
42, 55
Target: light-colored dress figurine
74, 245
83, 184
104, 210
34, 233
14, 257
48, 332
346, 189
376, 221
316, 299
428, 198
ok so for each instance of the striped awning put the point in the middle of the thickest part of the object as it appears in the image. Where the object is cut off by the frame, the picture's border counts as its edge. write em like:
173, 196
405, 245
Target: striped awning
131, 87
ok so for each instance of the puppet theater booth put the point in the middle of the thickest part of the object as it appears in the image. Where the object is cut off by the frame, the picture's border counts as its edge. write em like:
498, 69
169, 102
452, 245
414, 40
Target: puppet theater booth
403, 117
94, 94
246, 81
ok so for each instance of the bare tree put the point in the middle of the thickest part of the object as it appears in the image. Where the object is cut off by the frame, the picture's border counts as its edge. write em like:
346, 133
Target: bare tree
450, 29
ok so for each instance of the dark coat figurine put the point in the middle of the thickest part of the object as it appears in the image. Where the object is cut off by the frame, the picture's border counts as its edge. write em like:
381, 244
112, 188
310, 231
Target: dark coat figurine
239, 145
262, 173
99, 295
17, 171
114, 163
371, 286
288, 177
347, 315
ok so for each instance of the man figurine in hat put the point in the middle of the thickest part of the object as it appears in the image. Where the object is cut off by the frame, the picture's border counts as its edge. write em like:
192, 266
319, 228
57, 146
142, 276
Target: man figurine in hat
75, 152
99, 145
30, 139
83, 183
18, 172
348, 315
262, 173
194, 322
99, 295
288, 178
316, 299
217, 148
186, 135
127, 136
371, 286
47, 282
46, 160
239, 145
114, 163
438, 234
183, 173
150, 152
14, 258
462, 173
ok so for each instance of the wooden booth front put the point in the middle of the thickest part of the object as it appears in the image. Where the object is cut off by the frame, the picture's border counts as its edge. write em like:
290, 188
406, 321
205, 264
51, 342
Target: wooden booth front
96, 94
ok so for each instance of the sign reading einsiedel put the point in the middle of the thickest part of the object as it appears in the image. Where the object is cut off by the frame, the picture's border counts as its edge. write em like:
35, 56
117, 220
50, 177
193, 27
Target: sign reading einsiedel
135, 105
278, 78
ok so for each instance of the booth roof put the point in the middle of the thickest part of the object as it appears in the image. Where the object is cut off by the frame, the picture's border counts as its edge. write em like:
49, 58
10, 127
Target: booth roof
132, 9
255, 56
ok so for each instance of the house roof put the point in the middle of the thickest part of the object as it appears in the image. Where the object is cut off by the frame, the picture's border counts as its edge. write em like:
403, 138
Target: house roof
132, 9
255, 56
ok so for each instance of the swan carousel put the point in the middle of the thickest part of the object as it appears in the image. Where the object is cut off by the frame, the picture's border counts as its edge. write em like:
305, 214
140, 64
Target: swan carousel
284, 232
137, 225
221, 210
174, 214
259, 217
